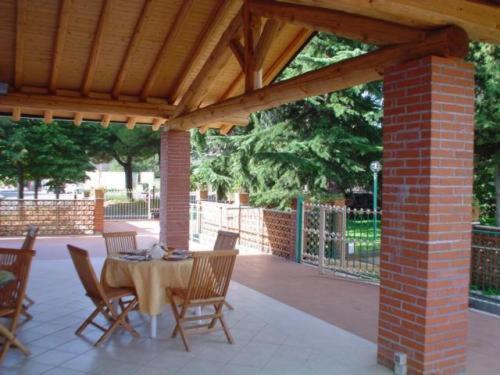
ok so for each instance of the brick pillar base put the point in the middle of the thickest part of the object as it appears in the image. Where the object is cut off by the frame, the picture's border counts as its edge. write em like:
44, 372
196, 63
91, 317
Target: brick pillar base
426, 226
175, 186
99, 211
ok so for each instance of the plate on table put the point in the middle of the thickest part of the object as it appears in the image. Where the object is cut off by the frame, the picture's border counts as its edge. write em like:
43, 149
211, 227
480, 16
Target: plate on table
136, 257
175, 257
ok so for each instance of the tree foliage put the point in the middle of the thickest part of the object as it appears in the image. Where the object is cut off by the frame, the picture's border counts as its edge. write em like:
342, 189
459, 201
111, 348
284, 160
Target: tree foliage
322, 145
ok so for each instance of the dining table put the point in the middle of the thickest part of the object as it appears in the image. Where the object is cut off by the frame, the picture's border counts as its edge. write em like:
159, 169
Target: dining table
150, 278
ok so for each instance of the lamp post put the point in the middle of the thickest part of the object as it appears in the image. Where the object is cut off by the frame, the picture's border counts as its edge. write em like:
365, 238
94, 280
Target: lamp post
375, 167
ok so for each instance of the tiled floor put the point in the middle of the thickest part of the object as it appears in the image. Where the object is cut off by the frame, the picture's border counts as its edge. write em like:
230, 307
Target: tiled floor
271, 338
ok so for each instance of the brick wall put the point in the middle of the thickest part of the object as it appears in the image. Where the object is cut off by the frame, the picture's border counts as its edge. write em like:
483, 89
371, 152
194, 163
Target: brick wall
175, 166
264, 230
99, 211
426, 231
53, 217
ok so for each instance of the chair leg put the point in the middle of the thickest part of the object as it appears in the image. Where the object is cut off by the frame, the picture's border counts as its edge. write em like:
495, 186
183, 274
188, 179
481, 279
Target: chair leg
228, 305
26, 314
88, 320
226, 329
29, 300
178, 320
119, 321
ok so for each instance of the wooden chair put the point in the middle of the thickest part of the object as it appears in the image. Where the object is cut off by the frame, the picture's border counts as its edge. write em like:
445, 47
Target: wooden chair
103, 298
28, 244
208, 285
226, 241
18, 262
117, 242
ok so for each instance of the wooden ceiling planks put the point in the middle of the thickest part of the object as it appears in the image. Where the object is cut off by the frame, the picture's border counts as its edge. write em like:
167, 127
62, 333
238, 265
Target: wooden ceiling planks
163, 49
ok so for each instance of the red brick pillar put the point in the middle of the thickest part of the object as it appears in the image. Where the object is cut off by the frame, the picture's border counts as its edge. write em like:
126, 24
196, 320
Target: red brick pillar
99, 211
426, 226
175, 186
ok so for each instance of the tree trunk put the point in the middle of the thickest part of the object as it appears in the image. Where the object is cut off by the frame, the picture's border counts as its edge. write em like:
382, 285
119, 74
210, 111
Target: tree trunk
127, 167
38, 184
497, 191
20, 181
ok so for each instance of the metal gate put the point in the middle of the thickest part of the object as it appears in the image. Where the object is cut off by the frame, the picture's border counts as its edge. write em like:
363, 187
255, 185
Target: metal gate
131, 204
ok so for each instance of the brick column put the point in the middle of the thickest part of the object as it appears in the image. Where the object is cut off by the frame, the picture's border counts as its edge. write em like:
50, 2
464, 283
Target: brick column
426, 225
175, 186
99, 211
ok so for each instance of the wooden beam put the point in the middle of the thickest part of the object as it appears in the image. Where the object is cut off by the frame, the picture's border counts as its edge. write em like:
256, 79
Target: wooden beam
351, 26
132, 46
204, 129
157, 122
269, 32
450, 41
16, 114
169, 41
78, 118
86, 105
105, 120
225, 129
131, 123
302, 36
96, 46
218, 58
48, 117
62, 27
220, 16
238, 52
20, 28
248, 37
478, 18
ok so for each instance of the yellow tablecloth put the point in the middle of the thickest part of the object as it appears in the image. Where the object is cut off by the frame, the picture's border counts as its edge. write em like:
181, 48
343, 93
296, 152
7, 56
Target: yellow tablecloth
150, 279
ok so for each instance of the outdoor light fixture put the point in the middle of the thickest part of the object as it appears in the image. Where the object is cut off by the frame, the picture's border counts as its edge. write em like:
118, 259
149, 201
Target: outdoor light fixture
4, 88
375, 167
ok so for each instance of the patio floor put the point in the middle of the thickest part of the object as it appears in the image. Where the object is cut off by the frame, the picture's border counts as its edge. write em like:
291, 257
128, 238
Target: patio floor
271, 338
291, 321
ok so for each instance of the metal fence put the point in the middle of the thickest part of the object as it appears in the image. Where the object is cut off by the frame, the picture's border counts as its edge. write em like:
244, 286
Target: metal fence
342, 239
485, 260
131, 204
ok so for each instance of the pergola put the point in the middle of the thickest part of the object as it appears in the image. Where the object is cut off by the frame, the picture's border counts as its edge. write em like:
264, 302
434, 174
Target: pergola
182, 64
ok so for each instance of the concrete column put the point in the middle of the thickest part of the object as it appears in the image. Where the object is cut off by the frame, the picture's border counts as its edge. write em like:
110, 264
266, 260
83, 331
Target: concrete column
175, 186
426, 227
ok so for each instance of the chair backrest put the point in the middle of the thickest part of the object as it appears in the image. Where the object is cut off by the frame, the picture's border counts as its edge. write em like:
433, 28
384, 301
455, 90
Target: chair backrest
120, 241
226, 240
211, 274
29, 240
86, 273
18, 262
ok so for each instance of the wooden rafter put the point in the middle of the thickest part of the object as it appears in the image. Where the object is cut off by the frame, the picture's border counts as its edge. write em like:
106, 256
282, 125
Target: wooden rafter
269, 32
157, 122
225, 129
276, 66
238, 52
131, 48
450, 41
48, 117
212, 66
16, 114
169, 41
96, 46
20, 29
86, 105
248, 37
62, 27
220, 15
478, 17
105, 120
77, 120
364, 29
131, 122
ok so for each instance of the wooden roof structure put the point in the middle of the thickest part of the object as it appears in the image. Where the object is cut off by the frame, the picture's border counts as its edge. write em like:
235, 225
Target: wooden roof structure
207, 63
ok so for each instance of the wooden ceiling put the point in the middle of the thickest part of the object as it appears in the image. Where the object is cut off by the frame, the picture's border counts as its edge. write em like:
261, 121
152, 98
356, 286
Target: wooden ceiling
148, 61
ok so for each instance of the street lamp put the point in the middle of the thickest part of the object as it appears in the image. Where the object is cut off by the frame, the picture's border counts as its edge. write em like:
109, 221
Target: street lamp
375, 167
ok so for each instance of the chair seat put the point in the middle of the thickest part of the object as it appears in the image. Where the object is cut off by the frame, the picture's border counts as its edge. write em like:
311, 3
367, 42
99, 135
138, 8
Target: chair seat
117, 293
181, 293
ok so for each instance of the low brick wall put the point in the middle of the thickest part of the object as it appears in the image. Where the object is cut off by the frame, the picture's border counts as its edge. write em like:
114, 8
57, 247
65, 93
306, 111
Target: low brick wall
53, 217
485, 258
260, 229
